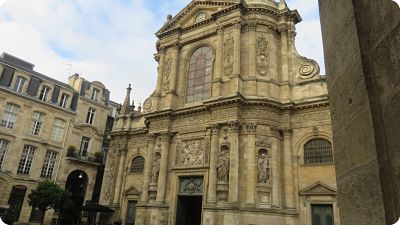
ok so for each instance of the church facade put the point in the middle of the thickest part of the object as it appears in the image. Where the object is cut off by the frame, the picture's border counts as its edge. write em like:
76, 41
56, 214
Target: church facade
237, 131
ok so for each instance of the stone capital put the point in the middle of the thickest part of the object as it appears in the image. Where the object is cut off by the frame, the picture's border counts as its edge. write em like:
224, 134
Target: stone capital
237, 25
234, 126
274, 131
251, 127
162, 50
177, 45
151, 138
220, 30
215, 129
251, 26
287, 132
165, 136
157, 57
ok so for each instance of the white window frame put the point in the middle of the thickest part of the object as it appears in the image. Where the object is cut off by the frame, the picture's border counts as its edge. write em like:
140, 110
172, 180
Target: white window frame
64, 100
37, 123
20, 84
10, 116
4, 146
57, 133
95, 94
84, 152
90, 115
25, 164
44, 93
49, 164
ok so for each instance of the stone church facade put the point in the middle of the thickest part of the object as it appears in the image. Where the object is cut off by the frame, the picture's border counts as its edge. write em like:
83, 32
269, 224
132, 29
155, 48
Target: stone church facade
237, 131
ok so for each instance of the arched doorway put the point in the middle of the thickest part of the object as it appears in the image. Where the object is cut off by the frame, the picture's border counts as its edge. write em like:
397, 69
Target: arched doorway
76, 183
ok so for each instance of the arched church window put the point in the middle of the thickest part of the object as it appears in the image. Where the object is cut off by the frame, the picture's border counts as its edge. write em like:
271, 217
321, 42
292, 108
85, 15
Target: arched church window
137, 165
318, 151
200, 72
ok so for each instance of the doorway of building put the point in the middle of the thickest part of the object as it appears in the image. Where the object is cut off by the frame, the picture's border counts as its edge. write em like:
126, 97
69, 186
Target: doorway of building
76, 183
189, 210
15, 202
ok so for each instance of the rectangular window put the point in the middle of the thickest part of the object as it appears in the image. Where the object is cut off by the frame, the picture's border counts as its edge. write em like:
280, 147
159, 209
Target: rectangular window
36, 215
37, 123
90, 115
64, 100
25, 163
44, 93
58, 130
19, 84
48, 165
84, 149
10, 116
95, 94
131, 213
322, 214
4, 145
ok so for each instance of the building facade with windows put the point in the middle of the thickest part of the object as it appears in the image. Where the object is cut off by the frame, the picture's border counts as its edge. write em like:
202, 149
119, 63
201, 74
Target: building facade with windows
48, 130
237, 131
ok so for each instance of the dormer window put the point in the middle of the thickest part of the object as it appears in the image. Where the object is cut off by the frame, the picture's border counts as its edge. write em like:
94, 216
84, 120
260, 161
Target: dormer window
44, 93
64, 100
200, 17
95, 94
19, 84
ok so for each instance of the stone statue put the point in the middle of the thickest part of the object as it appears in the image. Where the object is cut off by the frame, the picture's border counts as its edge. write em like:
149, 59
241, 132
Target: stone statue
223, 166
263, 169
156, 170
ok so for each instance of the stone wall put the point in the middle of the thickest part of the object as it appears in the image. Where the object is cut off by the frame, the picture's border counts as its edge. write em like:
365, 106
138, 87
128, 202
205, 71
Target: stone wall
362, 45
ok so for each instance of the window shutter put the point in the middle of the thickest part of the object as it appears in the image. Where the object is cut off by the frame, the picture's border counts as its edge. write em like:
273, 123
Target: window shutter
74, 102
85, 86
33, 86
7, 76
56, 92
106, 96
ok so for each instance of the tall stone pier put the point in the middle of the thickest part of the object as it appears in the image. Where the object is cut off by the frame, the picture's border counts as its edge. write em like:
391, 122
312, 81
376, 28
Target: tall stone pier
362, 54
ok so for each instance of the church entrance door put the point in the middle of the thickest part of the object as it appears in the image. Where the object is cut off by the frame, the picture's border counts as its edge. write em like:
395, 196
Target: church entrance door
189, 210
190, 197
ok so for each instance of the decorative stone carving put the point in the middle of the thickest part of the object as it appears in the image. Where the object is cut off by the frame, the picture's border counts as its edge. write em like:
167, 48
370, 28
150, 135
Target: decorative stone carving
287, 132
262, 142
308, 69
263, 167
228, 56
274, 131
223, 166
156, 168
147, 104
262, 52
234, 126
311, 116
251, 127
166, 72
191, 153
215, 129
191, 185
109, 178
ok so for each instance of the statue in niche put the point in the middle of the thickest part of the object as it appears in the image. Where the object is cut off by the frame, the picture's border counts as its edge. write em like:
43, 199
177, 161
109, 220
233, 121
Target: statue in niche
156, 168
263, 167
223, 165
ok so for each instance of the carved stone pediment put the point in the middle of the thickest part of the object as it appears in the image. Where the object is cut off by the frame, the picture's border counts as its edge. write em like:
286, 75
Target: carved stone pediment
133, 190
318, 188
186, 16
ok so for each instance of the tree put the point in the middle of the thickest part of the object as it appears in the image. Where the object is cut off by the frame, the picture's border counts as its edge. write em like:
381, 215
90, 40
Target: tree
49, 195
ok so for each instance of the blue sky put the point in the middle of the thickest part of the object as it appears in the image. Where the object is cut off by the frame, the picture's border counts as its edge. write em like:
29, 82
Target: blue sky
110, 40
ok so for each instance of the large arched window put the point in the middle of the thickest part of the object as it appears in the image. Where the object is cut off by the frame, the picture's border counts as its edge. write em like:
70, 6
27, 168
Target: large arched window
200, 72
318, 151
137, 164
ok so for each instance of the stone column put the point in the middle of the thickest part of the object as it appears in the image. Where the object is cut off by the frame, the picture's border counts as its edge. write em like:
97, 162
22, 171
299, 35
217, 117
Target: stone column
160, 56
288, 167
148, 168
284, 55
276, 168
118, 184
251, 164
174, 67
218, 62
235, 83
212, 178
233, 195
162, 177
252, 48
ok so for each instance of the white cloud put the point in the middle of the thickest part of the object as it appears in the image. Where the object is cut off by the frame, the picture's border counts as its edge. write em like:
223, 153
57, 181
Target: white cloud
110, 40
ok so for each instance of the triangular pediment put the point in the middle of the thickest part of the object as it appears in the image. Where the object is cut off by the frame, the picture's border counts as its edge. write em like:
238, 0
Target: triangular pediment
186, 17
132, 190
318, 188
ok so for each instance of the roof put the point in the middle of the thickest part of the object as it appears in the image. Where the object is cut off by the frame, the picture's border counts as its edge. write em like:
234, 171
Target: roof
27, 67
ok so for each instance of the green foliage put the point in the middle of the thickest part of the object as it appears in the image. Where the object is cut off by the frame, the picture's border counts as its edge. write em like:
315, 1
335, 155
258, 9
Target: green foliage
49, 195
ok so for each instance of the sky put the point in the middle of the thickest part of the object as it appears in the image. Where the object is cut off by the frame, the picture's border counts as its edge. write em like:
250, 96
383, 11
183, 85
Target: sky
111, 41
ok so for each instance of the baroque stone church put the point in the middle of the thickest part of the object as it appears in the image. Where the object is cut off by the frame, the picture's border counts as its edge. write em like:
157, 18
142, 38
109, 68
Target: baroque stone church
237, 131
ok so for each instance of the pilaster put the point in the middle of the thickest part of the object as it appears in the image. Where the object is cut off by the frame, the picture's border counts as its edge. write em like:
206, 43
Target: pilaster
148, 168
212, 182
251, 163
161, 57
162, 178
235, 77
218, 62
288, 167
233, 195
174, 68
